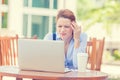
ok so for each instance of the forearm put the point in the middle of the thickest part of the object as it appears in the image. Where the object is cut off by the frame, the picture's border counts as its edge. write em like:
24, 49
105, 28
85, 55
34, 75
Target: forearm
76, 43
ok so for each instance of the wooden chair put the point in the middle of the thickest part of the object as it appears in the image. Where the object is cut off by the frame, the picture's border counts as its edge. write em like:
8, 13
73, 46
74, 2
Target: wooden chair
8, 50
95, 51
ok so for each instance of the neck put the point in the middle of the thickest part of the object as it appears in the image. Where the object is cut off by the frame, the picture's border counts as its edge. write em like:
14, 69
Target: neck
67, 41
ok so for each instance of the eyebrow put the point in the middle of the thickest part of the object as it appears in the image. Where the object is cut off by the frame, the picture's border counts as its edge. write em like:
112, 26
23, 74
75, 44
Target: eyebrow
65, 25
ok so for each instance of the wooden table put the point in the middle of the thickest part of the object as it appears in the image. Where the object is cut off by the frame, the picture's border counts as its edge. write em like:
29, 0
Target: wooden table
73, 75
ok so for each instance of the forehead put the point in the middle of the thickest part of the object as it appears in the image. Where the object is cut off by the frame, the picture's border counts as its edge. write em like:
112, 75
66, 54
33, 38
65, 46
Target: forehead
63, 21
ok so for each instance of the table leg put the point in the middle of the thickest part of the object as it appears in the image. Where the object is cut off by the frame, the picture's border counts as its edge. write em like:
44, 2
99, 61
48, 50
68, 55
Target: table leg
19, 79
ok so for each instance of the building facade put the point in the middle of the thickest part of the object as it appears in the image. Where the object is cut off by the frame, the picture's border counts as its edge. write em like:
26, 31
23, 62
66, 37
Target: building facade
32, 17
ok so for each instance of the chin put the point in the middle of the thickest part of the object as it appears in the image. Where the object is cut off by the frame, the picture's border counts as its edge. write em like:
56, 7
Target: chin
63, 38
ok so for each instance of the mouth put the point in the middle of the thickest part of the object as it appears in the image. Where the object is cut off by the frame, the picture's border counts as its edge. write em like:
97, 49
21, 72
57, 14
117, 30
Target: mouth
62, 34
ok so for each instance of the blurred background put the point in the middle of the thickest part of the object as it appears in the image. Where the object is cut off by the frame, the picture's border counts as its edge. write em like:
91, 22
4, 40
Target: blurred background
99, 18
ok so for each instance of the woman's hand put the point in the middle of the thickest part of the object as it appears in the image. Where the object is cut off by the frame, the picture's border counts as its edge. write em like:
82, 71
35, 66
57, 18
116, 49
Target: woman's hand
76, 34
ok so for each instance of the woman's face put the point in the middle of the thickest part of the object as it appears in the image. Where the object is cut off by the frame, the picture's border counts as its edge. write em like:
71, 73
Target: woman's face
64, 28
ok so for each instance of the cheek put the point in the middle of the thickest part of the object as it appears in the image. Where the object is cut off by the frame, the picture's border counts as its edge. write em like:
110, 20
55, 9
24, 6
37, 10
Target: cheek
70, 31
57, 29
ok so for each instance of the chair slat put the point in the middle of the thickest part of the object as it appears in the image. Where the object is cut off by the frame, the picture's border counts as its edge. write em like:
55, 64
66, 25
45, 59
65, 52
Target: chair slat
95, 51
8, 50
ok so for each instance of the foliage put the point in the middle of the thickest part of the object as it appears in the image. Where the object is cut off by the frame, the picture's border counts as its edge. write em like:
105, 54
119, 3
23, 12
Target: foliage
108, 13
107, 57
4, 22
116, 55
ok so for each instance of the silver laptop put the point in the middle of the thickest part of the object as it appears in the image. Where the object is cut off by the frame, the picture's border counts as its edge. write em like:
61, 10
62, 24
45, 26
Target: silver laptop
41, 55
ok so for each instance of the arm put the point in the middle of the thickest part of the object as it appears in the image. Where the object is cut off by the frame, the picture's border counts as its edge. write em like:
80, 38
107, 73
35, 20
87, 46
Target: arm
48, 36
80, 49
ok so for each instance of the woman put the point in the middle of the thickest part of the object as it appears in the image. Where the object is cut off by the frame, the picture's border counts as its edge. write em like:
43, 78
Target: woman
68, 31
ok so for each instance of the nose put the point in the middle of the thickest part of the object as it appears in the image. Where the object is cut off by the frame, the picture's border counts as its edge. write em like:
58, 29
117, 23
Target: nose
62, 29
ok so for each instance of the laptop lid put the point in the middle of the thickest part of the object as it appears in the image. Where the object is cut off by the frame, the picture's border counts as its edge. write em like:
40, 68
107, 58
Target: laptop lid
41, 55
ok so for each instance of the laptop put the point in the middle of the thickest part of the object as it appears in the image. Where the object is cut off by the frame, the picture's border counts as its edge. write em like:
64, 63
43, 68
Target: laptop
41, 55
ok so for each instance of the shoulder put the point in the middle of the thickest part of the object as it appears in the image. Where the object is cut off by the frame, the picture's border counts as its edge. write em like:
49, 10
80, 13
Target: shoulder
48, 36
83, 34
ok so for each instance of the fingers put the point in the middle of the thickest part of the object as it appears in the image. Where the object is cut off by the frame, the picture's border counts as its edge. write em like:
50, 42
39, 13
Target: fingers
75, 26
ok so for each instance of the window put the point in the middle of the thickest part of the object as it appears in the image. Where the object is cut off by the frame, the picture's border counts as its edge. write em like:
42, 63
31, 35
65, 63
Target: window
40, 3
54, 25
25, 24
4, 20
40, 26
55, 4
37, 22
26, 3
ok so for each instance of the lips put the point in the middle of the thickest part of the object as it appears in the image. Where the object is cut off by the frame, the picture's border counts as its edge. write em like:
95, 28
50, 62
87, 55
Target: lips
62, 34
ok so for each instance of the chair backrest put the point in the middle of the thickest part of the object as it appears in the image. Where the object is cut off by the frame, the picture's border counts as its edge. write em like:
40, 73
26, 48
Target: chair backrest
8, 50
95, 51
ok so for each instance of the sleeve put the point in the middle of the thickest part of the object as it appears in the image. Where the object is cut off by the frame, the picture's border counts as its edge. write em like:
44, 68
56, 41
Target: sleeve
81, 49
48, 36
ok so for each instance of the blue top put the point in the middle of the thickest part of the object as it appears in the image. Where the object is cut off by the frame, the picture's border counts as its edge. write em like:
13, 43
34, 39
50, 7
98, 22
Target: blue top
71, 57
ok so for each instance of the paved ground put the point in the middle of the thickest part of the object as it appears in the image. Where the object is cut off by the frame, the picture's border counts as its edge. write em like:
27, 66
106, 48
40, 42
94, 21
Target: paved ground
113, 71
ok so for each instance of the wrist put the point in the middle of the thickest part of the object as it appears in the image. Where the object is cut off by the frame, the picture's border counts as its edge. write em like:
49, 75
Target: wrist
77, 40
76, 43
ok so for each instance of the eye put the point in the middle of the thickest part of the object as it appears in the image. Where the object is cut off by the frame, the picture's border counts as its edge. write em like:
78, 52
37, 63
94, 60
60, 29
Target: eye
66, 26
59, 26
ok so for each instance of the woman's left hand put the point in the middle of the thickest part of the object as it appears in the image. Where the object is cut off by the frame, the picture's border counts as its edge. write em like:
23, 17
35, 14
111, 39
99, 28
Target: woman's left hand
76, 34
76, 31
